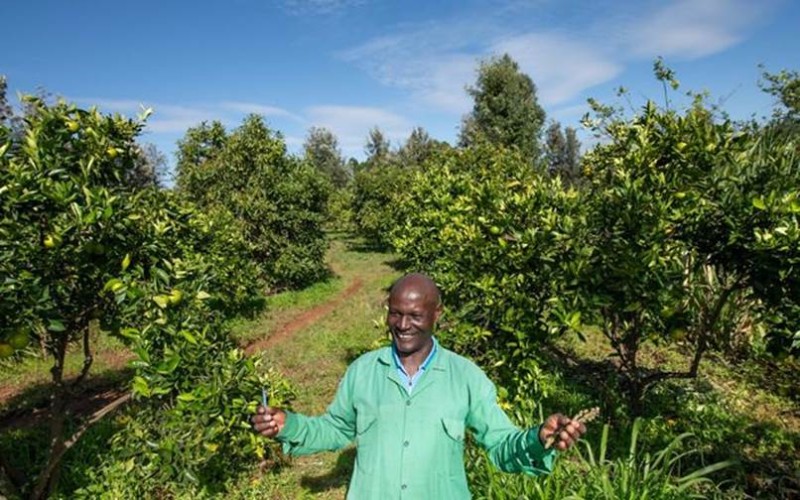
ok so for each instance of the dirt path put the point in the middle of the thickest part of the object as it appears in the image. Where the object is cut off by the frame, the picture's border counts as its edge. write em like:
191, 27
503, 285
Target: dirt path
304, 319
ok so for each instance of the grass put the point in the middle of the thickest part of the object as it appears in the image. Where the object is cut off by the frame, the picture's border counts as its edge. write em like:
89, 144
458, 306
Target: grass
736, 411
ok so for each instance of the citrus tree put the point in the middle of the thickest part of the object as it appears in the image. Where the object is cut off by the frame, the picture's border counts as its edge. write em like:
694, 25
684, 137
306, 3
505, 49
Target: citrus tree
65, 227
279, 201
498, 237
692, 223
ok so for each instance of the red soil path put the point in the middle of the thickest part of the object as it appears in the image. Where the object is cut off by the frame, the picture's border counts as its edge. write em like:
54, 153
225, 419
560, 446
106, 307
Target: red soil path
303, 320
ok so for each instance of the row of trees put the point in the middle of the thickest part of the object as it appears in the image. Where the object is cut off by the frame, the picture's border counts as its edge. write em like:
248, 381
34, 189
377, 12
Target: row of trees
89, 242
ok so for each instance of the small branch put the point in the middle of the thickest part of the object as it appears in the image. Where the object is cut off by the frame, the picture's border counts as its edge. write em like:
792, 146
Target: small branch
58, 453
99, 414
87, 358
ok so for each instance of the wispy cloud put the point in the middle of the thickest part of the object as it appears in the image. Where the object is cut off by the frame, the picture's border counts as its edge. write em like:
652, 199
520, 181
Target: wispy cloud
435, 61
692, 29
259, 109
170, 118
561, 67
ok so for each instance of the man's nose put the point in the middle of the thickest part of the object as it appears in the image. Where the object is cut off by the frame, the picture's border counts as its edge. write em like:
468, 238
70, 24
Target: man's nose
405, 322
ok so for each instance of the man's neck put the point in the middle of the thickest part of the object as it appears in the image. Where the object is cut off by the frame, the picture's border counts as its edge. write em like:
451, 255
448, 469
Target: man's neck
412, 361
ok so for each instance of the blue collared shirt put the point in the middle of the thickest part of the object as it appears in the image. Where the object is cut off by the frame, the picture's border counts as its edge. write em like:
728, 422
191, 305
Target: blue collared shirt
410, 381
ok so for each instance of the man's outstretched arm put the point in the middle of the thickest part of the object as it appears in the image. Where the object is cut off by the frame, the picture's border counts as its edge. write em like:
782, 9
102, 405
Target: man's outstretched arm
302, 434
510, 448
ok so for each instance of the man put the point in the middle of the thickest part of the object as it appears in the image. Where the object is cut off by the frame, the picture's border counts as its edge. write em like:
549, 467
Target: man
407, 407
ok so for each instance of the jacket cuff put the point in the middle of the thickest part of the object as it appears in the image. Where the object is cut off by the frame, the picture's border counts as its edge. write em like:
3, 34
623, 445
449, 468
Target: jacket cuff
540, 459
290, 428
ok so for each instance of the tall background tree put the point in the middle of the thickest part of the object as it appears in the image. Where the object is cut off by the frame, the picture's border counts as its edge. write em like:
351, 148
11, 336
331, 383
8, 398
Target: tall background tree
506, 111
322, 151
562, 152
376, 148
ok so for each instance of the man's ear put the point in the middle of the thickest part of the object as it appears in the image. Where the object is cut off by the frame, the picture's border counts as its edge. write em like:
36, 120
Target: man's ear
437, 313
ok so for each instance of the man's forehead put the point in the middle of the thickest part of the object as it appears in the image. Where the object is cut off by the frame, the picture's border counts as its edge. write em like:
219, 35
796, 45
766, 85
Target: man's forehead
414, 291
415, 285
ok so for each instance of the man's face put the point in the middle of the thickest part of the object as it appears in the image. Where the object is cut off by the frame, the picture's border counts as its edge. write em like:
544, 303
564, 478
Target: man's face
411, 318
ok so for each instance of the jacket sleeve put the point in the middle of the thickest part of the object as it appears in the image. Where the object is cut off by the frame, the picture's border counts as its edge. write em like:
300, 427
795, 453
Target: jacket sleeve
510, 449
333, 430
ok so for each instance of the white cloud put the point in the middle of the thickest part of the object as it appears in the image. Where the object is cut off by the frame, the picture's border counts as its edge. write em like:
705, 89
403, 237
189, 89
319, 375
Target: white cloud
351, 124
692, 29
437, 61
259, 109
319, 7
561, 68
170, 118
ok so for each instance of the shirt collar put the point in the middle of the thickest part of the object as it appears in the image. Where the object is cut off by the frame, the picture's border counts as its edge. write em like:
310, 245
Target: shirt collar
423, 366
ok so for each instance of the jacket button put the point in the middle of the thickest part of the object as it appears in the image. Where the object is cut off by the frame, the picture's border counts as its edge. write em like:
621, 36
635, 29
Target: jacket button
404, 487
405, 443
408, 403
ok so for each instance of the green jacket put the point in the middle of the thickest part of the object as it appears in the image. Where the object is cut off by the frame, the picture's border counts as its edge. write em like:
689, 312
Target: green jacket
412, 445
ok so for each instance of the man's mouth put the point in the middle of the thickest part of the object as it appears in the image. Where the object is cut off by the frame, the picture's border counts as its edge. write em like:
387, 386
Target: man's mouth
403, 336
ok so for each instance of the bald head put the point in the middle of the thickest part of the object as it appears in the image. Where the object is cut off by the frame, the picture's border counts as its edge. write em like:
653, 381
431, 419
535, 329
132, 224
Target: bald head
416, 284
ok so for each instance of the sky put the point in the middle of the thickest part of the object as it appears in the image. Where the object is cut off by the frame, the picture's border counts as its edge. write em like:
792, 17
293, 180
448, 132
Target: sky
350, 65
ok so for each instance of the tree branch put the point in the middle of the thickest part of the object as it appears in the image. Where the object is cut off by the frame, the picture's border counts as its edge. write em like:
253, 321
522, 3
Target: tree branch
87, 358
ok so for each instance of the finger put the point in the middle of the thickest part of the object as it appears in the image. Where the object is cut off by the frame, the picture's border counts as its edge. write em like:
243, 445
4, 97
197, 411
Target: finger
262, 418
574, 430
263, 427
261, 409
552, 422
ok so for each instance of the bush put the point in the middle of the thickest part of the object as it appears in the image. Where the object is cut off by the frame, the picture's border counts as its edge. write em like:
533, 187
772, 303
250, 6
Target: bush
279, 201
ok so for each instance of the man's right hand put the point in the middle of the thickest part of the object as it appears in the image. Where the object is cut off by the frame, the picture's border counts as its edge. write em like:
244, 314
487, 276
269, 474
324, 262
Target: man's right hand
268, 421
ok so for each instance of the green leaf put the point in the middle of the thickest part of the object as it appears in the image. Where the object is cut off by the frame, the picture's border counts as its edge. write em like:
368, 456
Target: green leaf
759, 203
140, 386
186, 397
161, 300
189, 337
55, 325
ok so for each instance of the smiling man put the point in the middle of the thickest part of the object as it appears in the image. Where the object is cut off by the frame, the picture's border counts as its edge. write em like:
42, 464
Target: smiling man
408, 406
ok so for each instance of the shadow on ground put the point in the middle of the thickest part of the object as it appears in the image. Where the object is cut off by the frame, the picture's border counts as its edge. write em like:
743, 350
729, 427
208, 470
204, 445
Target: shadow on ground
335, 478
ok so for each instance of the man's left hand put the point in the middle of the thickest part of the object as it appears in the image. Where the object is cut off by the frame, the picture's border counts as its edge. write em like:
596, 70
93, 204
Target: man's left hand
563, 429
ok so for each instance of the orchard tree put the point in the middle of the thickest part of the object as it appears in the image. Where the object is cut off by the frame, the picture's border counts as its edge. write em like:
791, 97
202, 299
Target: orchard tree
506, 111
279, 201
196, 151
322, 151
693, 222
376, 148
66, 223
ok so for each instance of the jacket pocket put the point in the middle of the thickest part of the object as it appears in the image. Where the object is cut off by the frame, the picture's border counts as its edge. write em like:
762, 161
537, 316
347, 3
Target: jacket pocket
454, 429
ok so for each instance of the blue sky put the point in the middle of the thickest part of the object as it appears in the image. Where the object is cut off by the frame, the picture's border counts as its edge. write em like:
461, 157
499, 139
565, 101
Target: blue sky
352, 64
